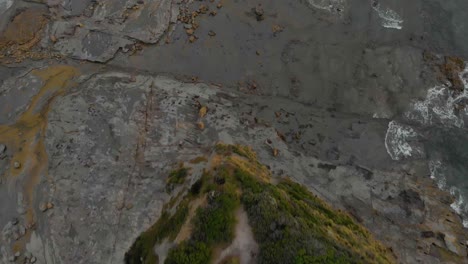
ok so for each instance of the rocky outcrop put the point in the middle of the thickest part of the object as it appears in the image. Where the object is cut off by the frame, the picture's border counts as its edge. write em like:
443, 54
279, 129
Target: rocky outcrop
107, 189
288, 224
99, 100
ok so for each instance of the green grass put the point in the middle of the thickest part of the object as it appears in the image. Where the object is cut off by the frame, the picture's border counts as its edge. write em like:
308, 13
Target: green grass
176, 177
213, 224
189, 252
291, 225
243, 151
167, 226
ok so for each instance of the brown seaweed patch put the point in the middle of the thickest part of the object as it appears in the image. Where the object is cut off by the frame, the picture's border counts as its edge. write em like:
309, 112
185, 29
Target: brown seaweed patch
447, 69
451, 69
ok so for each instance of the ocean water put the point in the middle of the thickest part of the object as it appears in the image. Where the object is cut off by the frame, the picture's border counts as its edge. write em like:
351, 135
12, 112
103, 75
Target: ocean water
432, 129
448, 155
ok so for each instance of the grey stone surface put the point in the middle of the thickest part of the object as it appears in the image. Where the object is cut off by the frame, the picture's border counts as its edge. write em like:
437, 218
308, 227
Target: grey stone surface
96, 30
113, 142
5, 5
343, 91
90, 45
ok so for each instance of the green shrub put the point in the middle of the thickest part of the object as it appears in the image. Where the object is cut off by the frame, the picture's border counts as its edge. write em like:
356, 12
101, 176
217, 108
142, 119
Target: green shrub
189, 252
247, 182
292, 226
176, 177
215, 223
141, 251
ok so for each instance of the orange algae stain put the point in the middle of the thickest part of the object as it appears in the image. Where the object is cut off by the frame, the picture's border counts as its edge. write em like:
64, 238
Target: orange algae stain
22, 34
25, 138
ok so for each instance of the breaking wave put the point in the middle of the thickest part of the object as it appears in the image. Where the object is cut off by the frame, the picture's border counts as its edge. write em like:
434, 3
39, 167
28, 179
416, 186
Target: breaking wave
398, 141
459, 205
390, 18
436, 109
328, 5
439, 106
436, 169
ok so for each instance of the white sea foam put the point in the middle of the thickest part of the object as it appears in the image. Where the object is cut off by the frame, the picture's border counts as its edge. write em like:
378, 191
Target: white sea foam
328, 5
464, 96
397, 141
437, 173
437, 107
459, 204
390, 18
464, 77
381, 115
465, 223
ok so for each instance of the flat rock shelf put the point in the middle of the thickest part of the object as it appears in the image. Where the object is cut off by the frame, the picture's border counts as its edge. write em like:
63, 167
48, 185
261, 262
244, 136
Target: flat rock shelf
294, 131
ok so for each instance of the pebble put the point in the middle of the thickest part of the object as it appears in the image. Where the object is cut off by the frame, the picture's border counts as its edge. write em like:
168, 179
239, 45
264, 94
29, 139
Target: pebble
43, 207
50, 205
17, 164
275, 152
202, 112
17, 254
120, 206
201, 125
33, 260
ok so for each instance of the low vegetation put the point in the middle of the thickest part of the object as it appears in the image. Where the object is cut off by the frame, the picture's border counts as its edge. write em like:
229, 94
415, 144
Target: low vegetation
290, 224
177, 177
168, 226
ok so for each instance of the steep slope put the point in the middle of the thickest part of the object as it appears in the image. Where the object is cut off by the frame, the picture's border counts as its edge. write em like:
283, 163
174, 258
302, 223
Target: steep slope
289, 224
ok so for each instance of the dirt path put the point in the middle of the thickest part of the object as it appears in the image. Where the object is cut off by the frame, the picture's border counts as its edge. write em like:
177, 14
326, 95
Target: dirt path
244, 246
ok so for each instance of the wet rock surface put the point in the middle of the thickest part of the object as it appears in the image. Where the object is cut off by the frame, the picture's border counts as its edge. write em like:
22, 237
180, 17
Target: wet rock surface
99, 100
